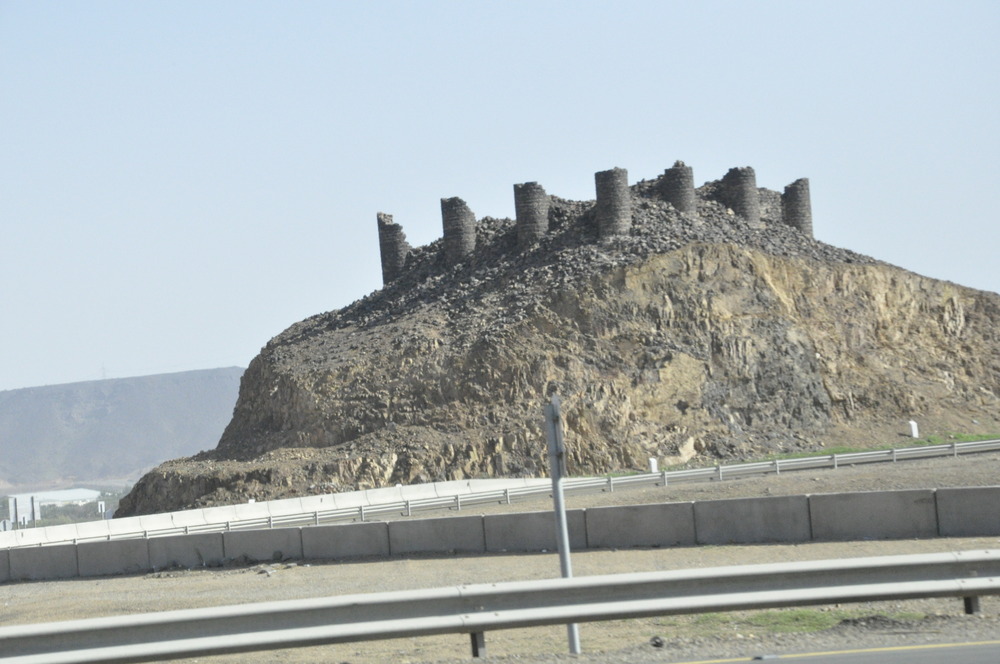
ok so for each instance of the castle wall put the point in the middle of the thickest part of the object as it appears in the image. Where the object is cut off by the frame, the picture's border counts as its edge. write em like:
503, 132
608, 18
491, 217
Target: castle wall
677, 187
796, 208
392, 246
739, 187
613, 210
459, 230
531, 206
614, 203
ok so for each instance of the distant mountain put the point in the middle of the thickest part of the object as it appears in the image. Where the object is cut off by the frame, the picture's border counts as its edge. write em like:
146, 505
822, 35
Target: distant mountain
110, 430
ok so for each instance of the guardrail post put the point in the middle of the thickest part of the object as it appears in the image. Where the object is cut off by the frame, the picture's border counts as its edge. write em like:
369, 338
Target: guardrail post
894, 455
361, 512
971, 605
954, 449
458, 502
506, 495
409, 509
611, 484
834, 457
664, 478
478, 644
718, 469
270, 521
777, 467
316, 517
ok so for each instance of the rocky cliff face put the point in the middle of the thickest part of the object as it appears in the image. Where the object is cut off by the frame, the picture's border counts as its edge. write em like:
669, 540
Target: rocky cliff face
692, 336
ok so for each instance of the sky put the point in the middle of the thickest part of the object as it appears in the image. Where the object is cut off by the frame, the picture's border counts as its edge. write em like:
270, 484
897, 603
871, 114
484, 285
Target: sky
180, 181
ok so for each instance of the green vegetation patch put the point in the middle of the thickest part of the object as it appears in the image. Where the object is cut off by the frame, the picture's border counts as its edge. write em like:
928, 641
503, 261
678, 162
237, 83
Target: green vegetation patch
782, 621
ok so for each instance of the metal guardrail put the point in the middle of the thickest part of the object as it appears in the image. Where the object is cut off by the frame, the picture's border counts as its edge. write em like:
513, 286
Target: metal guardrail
571, 486
477, 609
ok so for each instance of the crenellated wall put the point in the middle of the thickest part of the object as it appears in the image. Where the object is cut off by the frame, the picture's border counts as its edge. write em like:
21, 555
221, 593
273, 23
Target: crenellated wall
613, 210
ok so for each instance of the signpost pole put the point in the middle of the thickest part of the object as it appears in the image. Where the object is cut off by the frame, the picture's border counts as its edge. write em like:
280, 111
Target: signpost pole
557, 466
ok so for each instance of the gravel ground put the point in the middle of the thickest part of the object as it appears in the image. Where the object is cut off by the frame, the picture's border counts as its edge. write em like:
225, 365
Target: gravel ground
684, 638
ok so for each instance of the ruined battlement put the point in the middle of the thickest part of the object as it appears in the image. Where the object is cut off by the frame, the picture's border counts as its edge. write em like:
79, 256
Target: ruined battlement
613, 209
531, 207
393, 247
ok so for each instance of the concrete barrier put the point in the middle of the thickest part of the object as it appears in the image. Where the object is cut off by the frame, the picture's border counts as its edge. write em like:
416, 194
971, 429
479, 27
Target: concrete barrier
662, 524
532, 531
248, 511
124, 527
187, 518
420, 492
346, 540
873, 515
220, 514
388, 494
92, 530
752, 520
200, 550
968, 512
264, 545
961, 512
32, 536
44, 562
284, 506
65, 533
115, 557
318, 503
152, 522
348, 500
461, 534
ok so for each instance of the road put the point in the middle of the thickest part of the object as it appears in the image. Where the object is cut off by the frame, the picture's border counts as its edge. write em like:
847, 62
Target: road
979, 652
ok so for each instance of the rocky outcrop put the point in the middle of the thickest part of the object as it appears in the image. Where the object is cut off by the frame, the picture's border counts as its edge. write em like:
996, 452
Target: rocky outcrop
706, 335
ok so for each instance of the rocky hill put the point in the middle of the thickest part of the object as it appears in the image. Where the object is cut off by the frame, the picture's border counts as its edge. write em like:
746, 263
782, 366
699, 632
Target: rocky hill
712, 326
108, 431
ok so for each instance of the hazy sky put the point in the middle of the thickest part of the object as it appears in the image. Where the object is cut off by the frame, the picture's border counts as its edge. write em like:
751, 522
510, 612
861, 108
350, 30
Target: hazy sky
181, 181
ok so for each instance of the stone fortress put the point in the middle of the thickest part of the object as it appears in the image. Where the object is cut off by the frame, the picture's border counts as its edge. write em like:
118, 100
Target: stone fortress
613, 210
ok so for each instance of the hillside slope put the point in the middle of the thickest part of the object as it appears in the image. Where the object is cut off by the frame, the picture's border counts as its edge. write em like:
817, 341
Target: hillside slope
107, 430
691, 335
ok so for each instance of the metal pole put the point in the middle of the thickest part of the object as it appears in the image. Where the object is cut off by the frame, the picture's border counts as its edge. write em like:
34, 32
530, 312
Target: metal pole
557, 466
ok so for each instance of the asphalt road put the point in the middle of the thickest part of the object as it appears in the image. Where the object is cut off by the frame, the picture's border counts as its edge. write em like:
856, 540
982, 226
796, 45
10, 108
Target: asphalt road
981, 652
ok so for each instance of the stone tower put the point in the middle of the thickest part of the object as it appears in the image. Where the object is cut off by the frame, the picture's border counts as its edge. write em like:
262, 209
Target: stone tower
393, 246
459, 230
677, 187
739, 187
614, 203
531, 207
796, 208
